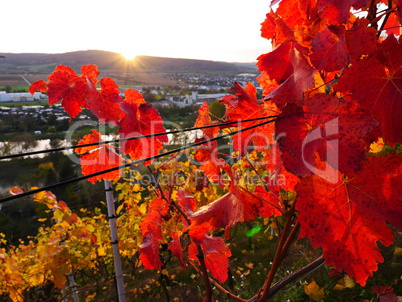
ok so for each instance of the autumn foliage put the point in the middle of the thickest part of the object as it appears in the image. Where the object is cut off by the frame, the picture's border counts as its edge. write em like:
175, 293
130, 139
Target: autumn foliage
333, 81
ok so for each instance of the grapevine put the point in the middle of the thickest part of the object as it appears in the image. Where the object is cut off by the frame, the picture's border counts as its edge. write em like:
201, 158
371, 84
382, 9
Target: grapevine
328, 168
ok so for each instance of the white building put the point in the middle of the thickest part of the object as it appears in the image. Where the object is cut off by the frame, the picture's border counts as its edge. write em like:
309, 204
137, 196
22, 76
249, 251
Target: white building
185, 100
19, 96
194, 98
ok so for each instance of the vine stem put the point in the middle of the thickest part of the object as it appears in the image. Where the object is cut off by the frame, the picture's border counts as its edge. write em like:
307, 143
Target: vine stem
204, 273
372, 11
374, 22
200, 253
221, 288
389, 11
280, 253
307, 269
200, 256
290, 238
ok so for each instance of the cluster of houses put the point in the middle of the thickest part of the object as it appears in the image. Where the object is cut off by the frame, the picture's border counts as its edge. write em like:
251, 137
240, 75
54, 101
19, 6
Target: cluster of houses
194, 98
20, 96
180, 100
36, 111
201, 81
189, 99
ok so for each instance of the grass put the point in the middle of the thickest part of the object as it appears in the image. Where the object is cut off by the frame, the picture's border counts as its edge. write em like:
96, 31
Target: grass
20, 104
15, 88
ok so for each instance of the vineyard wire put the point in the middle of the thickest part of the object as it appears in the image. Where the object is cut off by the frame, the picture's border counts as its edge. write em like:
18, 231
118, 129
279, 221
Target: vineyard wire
130, 138
137, 162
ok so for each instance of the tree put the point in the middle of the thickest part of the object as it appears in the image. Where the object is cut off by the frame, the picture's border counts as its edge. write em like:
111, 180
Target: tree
25, 142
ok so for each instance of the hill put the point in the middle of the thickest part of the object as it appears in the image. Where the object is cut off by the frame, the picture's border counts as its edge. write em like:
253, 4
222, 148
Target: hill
112, 62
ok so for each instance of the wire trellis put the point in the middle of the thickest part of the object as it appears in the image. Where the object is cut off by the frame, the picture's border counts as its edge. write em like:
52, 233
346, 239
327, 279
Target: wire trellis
137, 162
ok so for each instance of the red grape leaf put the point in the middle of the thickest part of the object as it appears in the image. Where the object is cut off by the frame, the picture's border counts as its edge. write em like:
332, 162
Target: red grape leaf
207, 154
152, 224
393, 25
98, 158
160, 205
292, 89
333, 216
365, 35
67, 87
245, 106
337, 12
266, 83
226, 211
105, 104
379, 91
291, 129
204, 119
149, 252
176, 248
326, 126
303, 19
278, 176
271, 205
276, 29
38, 86
198, 231
268, 27
381, 179
90, 72
277, 63
216, 255
329, 51
142, 119
210, 163
251, 203
385, 293
152, 236
399, 10
132, 96
15, 190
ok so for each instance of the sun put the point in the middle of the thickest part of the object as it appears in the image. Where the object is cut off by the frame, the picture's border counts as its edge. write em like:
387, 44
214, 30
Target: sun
128, 56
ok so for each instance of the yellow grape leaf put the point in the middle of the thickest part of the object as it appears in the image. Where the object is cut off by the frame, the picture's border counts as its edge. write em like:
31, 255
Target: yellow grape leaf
136, 188
165, 272
42, 219
143, 208
2, 240
345, 282
101, 251
314, 291
119, 208
46, 197
398, 252
377, 146
90, 297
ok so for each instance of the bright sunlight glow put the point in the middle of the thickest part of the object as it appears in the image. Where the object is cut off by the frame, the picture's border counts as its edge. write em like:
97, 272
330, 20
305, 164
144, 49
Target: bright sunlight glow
128, 56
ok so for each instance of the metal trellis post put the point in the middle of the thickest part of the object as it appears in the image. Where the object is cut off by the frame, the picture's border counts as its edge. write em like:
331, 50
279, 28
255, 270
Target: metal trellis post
113, 234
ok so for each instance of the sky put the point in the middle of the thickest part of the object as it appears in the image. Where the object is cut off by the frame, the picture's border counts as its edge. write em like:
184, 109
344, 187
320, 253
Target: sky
219, 30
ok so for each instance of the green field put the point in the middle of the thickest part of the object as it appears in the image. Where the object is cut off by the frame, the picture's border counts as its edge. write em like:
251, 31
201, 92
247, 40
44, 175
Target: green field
15, 88
20, 104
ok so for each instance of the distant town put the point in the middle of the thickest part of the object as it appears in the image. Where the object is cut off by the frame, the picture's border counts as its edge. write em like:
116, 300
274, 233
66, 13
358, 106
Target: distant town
21, 112
202, 87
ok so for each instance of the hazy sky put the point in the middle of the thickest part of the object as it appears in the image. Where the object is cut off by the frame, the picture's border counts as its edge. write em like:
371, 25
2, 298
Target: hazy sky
224, 30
